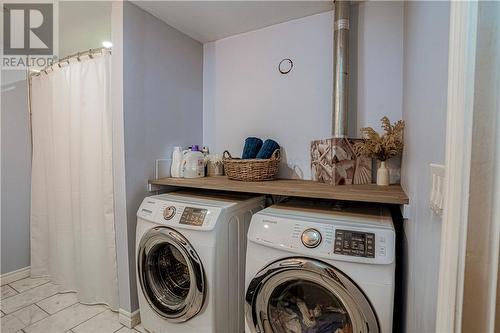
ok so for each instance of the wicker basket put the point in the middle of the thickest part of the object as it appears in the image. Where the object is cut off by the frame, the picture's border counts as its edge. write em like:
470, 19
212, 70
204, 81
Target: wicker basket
251, 170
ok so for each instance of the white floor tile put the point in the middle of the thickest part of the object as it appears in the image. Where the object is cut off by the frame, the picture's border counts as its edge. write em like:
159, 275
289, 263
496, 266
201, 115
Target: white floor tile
105, 322
7, 291
126, 330
66, 319
30, 315
29, 297
141, 329
10, 324
58, 302
28, 283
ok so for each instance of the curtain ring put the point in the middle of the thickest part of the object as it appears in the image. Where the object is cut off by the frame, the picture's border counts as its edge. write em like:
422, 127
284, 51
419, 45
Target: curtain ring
90, 54
58, 64
78, 57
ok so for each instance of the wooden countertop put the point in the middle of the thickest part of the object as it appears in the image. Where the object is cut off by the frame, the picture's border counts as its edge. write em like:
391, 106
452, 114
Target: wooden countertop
392, 194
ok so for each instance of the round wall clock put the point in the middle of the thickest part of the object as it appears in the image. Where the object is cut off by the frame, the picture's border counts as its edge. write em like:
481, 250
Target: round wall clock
285, 66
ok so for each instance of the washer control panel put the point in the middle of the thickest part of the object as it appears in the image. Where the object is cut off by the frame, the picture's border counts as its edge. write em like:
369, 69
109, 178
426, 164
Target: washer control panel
330, 239
352, 243
193, 216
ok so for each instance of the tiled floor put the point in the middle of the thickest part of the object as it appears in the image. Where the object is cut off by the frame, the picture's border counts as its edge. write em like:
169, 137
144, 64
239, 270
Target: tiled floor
34, 306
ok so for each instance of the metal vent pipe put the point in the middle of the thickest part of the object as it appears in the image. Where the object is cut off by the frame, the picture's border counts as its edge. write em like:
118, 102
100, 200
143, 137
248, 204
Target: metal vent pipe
341, 68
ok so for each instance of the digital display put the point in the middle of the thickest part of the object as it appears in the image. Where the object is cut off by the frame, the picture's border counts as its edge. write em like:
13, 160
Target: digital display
359, 244
193, 216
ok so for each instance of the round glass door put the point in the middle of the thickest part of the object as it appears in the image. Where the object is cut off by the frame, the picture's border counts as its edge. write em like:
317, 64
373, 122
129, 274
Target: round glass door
302, 306
300, 295
171, 274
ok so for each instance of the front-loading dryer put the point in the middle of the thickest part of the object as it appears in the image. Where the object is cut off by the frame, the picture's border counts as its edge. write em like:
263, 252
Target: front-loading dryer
312, 268
190, 256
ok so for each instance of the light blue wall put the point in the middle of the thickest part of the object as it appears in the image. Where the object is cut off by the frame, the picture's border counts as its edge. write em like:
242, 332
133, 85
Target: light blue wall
425, 84
16, 175
163, 105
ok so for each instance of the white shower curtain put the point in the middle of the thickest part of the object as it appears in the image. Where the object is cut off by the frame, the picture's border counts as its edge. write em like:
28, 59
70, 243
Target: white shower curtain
72, 220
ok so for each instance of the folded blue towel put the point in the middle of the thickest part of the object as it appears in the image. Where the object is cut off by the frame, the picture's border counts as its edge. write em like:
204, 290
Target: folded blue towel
268, 149
252, 147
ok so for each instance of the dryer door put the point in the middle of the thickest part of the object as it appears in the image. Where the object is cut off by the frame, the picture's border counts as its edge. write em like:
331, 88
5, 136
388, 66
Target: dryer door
171, 274
305, 295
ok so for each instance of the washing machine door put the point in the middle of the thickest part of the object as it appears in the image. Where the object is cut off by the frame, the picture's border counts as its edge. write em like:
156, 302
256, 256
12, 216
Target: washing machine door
171, 274
306, 295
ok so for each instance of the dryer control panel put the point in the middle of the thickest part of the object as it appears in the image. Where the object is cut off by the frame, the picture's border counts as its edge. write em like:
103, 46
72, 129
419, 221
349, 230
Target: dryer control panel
179, 214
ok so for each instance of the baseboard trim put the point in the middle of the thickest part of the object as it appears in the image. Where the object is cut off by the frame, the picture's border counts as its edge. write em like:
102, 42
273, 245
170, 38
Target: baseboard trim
129, 319
19, 274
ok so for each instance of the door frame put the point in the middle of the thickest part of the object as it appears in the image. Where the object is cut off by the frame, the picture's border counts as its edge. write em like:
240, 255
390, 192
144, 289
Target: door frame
460, 107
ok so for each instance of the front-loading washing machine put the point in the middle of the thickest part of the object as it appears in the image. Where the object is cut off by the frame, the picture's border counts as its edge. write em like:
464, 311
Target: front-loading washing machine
190, 256
312, 268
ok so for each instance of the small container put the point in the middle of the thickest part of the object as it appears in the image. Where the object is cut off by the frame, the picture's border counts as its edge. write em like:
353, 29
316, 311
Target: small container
215, 166
176, 168
193, 164
205, 152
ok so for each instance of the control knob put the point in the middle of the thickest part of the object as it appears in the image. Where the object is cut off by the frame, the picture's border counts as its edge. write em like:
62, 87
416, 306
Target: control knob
311, 238
169, 212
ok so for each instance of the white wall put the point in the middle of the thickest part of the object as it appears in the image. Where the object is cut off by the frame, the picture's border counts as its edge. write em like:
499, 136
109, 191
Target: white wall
425, 73
379, 89
83, 25
163, 104
245, 95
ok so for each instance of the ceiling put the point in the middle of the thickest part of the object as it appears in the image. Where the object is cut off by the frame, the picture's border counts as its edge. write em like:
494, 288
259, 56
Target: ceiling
207, 21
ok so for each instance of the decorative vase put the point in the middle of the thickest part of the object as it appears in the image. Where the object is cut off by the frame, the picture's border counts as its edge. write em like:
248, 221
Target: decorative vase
382, 174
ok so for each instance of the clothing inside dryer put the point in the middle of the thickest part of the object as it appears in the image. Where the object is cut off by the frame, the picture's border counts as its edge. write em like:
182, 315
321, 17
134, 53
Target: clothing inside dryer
301, 306
168, 275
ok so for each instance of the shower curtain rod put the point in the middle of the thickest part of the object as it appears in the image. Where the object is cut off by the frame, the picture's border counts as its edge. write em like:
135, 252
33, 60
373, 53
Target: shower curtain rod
77, 55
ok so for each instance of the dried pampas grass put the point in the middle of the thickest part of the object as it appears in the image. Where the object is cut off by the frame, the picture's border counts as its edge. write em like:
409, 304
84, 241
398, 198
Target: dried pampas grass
382, 147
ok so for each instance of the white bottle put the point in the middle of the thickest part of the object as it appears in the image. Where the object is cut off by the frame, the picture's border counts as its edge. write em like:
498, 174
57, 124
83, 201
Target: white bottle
176, 168
193, 164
